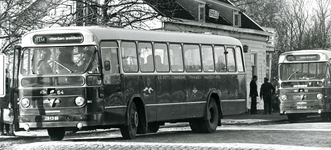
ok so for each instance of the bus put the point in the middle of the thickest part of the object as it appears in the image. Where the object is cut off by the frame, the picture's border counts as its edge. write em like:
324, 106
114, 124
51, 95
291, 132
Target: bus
305, 84
83, 78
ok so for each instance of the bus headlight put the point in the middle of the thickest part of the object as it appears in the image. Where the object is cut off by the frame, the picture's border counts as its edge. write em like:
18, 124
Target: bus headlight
80, 101
283, 97
319, 96
25, 102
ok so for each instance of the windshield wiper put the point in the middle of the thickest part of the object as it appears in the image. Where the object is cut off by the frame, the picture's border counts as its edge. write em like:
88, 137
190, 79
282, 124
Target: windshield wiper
295, 72
70, 71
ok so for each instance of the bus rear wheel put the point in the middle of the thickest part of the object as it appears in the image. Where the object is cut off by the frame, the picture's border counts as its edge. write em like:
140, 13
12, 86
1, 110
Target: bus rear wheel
56, 134
209, 124
129, 131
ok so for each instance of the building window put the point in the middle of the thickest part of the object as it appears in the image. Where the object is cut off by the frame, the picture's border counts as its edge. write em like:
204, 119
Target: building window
254, 64
267, 65
202, 12
236, 19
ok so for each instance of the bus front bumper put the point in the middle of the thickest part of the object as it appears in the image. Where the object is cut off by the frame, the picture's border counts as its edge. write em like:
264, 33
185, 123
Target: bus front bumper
304, 111
45, 121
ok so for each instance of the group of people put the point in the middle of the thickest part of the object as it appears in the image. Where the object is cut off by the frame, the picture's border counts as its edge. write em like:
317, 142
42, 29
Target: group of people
74, 60
266, 92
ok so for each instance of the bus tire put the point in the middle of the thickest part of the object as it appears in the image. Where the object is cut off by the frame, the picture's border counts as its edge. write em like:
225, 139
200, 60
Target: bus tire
129, 131
209, 124
153, 127
56, 134
195, 126
292, 118
326, 116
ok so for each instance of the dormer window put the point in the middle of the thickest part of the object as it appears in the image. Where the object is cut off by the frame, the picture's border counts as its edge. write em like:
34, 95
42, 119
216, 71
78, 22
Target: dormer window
202, 12
236, 19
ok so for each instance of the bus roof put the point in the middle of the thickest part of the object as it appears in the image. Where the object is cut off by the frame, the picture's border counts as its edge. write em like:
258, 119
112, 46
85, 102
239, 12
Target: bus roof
306, 55
108, 33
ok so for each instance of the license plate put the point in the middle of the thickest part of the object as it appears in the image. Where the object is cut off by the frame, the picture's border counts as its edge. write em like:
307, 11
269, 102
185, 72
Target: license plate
301, 107
51, 118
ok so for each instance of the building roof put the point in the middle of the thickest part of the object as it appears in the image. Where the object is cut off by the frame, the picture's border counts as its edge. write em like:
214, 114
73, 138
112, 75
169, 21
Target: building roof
187, 9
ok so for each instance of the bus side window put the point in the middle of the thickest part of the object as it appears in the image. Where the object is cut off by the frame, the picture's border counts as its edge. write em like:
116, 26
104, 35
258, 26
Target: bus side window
176, 58
109, 56
161, 57
220, 59
145, 57
207, 58
192, 58
239, 58
129, 56
230, 60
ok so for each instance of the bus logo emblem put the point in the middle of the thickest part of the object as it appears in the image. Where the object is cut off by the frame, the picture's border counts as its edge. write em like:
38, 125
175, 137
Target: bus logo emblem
149, 89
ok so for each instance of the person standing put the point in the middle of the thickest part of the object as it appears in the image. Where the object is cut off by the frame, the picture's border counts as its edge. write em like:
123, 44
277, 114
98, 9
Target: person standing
253, 94
266, 92
43, 64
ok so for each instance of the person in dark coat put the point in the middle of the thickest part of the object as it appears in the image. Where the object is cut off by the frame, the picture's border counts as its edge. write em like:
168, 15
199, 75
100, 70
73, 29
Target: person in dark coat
43, 66
4, 103
266, 92
253, 94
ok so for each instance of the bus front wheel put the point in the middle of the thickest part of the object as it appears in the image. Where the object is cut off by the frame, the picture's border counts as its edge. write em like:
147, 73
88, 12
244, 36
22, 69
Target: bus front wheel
292, 118
129, 131
326, 116
209, 124
56, 134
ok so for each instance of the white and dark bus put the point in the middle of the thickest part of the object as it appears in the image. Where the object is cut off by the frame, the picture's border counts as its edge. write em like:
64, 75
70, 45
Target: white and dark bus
81, 78
305, 84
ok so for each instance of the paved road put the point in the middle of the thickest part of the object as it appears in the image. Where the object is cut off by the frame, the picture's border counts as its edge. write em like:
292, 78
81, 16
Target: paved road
231, 124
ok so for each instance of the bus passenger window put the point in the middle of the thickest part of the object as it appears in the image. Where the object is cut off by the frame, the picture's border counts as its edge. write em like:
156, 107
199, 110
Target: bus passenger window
231, 61
192, 58
176, 58
145, 57
161, 57
220, 59
129, 56
207, 58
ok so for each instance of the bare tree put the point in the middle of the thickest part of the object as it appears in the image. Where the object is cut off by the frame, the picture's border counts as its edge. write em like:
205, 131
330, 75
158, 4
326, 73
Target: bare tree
18, 17
120, 13
265, 12
319, 35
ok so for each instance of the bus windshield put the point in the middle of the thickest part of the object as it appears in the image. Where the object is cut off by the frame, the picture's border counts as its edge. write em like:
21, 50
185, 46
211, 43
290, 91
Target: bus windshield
59, 60
302, 71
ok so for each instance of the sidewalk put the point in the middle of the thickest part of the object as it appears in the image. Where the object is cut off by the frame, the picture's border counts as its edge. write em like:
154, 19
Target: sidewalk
252, 118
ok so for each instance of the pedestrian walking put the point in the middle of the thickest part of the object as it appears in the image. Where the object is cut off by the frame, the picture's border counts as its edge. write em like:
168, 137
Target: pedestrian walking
266, 92
253, 94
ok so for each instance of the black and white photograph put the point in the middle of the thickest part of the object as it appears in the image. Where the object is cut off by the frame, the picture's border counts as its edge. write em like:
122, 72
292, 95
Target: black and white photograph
165, 74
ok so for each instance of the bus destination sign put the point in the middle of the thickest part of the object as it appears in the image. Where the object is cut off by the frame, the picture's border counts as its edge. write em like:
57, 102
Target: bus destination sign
58, 38
302, 57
